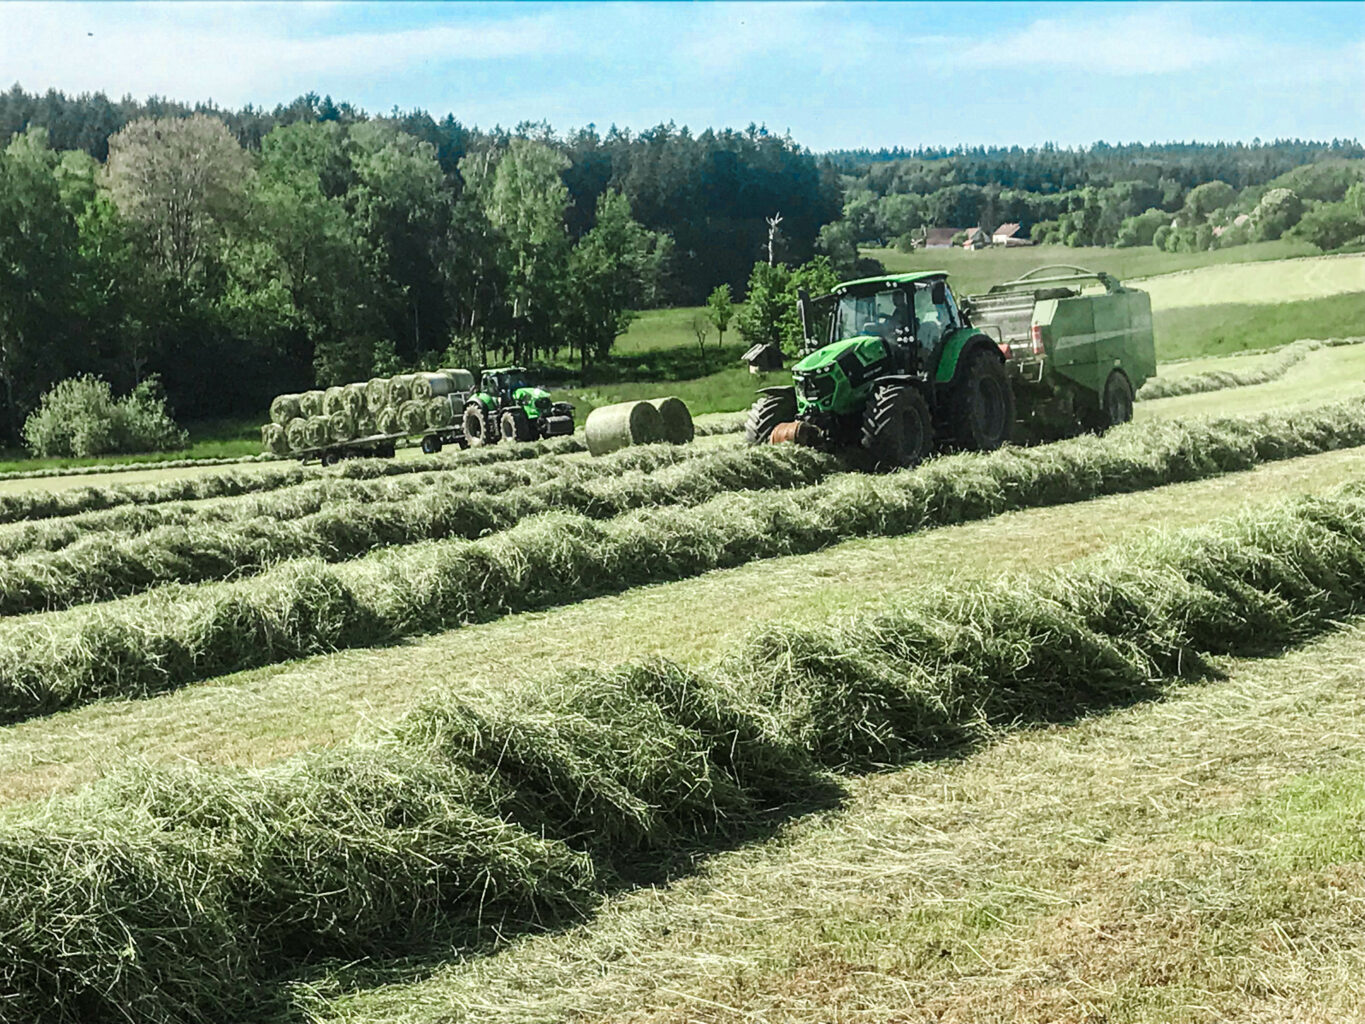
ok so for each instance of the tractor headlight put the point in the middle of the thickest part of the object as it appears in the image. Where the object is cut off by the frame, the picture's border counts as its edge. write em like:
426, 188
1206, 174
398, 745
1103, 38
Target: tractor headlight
816, 387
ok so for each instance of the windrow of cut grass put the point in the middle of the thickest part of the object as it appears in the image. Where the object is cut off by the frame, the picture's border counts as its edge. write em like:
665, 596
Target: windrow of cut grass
1273, 369
180, 634
36, 504
131, 466
180, 894
105, 566
310, 497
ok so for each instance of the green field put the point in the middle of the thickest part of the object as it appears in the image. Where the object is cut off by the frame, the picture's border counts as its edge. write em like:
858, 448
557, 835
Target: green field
710, 733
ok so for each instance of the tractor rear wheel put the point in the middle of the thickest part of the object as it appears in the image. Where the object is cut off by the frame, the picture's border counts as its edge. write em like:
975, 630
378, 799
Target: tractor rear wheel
773, 407
898, 429
516, 426
477, 429
981, 405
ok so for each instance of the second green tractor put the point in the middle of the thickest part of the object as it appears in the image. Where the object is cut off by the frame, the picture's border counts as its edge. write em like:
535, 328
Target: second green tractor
506, 407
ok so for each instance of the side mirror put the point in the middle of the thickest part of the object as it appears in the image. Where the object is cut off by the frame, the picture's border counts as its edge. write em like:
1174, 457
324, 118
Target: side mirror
938, 294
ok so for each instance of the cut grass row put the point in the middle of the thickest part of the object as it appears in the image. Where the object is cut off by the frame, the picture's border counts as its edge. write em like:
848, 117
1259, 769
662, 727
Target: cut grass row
1267, 370
310, 497
184, 893
106, 566
177, 635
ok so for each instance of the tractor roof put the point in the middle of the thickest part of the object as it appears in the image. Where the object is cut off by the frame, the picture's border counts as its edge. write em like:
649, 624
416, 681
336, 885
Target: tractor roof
887, 281
506, 369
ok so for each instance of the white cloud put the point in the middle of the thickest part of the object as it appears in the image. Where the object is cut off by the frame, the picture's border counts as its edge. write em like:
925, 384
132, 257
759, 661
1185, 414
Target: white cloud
237, 53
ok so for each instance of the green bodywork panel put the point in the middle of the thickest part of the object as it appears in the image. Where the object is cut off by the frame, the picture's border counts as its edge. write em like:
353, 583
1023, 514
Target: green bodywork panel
838, 377
958, 342
889, 280
527, 398
1087, 337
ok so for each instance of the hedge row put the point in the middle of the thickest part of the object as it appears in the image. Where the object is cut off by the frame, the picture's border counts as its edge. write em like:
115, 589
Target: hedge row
1217, 380
184, 894
176, 635
105, 566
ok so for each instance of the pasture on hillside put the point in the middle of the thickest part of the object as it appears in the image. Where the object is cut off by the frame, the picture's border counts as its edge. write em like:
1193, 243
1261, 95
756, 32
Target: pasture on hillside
709, 731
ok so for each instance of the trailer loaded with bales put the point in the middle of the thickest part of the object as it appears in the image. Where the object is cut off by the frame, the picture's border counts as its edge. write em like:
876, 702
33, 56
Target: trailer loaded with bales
896, 366
432, 410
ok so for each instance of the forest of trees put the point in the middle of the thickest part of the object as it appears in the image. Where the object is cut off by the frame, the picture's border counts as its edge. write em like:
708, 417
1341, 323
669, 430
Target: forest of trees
236, 254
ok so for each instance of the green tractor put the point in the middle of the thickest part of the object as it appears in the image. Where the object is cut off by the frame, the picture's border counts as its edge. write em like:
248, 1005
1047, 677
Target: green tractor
506, 407
895, 368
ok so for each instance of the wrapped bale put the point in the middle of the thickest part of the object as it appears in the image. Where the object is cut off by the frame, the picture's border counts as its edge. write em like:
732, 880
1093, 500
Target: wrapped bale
412, 416
285, 408
426, 386
273, 439
376, 394
463, 380
626, 423
296, 434
310, 404
677, 419
440, 413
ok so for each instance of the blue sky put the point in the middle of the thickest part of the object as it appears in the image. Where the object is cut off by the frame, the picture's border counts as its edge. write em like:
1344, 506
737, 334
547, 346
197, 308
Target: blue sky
833, 74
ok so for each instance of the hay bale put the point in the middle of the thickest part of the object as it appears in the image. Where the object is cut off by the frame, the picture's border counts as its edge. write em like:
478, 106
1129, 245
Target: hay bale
440, 413
386, 422
319, 431
616, 426
462, 379
343, 426
310, 404
400, 389
376, 394
332, 400
426, 386
273, 439
296, 435
353, 399
677, 419
285, 408
412, 417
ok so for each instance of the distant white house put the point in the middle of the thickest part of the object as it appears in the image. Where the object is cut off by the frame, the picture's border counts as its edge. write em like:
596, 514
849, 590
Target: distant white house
976, 239
1008, 235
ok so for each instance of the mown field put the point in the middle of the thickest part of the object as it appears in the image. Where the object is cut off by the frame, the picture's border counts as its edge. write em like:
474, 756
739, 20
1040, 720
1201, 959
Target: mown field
703, 733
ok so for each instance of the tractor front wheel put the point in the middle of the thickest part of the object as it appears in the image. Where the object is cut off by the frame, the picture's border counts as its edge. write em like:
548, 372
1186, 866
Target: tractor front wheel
982, 403
516, 426
477, 429
775, 406
898, 429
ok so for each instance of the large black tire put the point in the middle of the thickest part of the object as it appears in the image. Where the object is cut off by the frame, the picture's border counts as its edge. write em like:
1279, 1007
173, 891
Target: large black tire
773, 407
431, 444
981, 404
898, 429
1117, 403
516, 426
477, 428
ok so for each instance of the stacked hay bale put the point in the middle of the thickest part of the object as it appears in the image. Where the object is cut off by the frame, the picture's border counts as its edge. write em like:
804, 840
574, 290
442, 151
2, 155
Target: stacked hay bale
408, 403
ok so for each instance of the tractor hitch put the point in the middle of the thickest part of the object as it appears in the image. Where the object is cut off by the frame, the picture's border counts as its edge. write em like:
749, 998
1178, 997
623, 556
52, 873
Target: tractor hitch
798, 432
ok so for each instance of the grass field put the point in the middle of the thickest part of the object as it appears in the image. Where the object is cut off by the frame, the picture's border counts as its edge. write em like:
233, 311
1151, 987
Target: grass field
1066, 734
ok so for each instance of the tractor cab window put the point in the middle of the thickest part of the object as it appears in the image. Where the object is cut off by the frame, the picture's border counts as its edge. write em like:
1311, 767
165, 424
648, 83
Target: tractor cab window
932, 319
883, 314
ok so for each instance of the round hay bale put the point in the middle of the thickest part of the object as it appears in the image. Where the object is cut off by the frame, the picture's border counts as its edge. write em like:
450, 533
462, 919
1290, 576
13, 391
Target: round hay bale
273, 439
412, 417
343, 426
319, 431
426, 386
463, 380
310, 404
400, 389
331, 400
616, 426
440, 413
376, 394
296, 434
285, 408
677, 419
353, 399
386, 422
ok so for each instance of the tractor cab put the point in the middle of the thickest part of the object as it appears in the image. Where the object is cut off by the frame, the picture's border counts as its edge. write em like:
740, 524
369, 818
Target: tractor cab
503, 382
